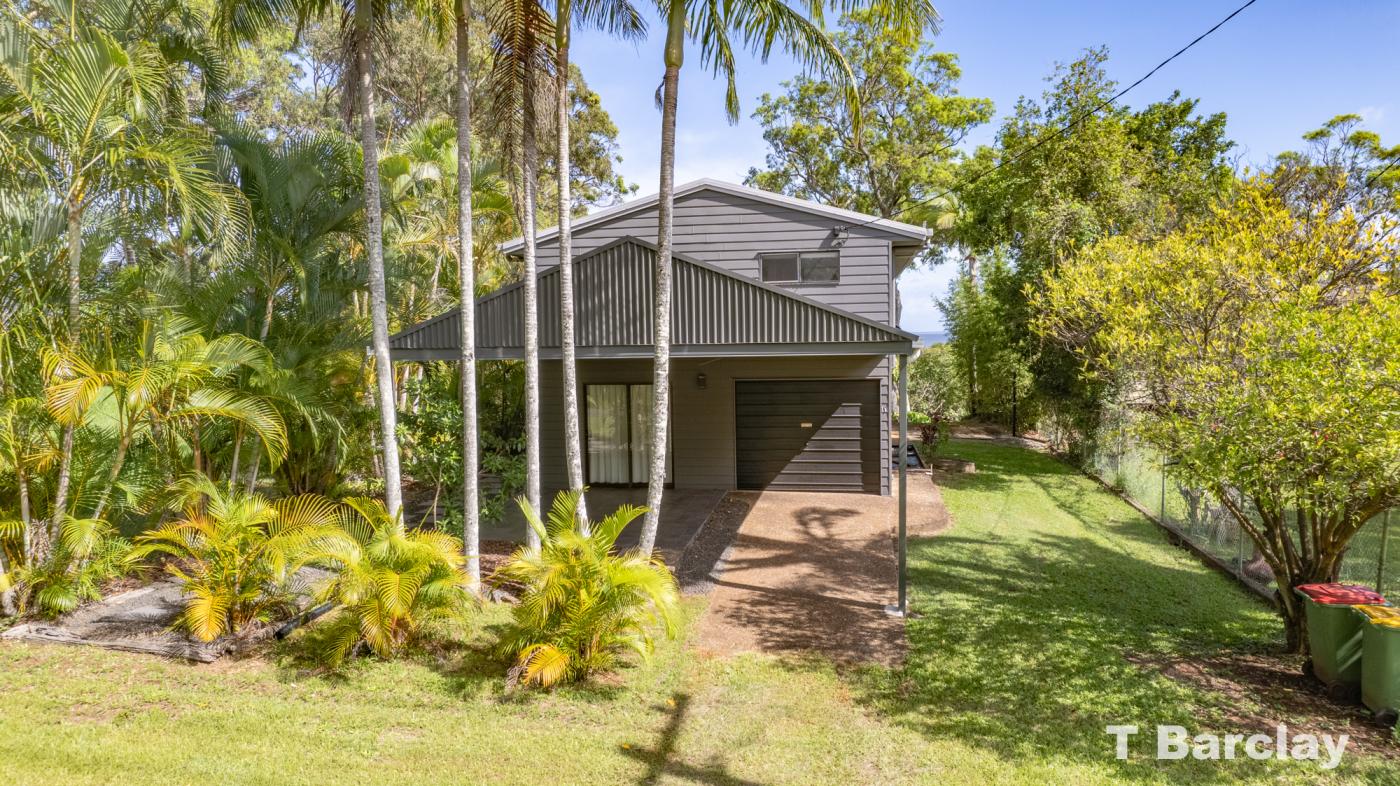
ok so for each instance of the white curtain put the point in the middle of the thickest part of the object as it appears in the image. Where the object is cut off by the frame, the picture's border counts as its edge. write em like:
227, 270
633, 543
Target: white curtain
641, 433
608, 459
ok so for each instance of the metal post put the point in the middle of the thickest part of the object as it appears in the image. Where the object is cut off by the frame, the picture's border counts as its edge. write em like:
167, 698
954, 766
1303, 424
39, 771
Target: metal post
1380, 561
1162, 508
902, 607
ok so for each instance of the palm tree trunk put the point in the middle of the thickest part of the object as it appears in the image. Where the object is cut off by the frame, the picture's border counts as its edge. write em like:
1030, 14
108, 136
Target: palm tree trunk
466, 275
573, 454
43, 536
123, 445
374, 244
661, 326
26, 518
529, 157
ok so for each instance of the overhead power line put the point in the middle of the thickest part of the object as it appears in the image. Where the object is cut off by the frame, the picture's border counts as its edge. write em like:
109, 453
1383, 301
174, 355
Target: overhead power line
1071, 125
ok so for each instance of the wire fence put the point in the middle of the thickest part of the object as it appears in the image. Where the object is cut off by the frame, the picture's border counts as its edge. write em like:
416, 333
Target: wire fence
1372, 558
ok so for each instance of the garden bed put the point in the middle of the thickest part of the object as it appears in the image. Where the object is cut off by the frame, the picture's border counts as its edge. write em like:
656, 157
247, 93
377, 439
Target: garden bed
143, 620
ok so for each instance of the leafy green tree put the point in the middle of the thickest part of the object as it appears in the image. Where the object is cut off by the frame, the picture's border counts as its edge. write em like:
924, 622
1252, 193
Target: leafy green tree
901, 149
1064, 175
935, 385
1260, 348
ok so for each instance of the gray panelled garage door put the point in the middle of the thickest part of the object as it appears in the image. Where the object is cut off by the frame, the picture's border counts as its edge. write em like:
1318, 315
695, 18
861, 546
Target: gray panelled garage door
818, 435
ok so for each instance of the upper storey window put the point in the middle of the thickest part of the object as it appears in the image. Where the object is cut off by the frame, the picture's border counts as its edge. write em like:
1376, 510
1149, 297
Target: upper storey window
801, 267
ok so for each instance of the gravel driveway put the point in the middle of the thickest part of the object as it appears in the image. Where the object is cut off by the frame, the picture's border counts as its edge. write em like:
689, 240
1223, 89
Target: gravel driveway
813, 572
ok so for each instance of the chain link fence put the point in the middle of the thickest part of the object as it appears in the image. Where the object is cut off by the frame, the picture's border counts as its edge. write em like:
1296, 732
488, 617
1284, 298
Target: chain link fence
1373, 557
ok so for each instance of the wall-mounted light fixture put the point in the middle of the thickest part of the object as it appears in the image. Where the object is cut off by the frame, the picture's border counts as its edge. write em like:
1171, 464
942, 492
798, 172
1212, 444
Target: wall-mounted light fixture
700, 381
839, 235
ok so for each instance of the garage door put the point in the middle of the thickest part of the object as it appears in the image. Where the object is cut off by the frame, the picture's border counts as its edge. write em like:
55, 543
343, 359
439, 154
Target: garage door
818, 435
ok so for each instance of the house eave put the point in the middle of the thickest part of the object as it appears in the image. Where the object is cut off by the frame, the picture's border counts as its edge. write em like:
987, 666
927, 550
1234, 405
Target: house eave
908, 233
881, 348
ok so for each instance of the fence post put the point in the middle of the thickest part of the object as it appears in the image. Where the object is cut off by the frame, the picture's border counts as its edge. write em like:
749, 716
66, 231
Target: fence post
1239, 539
1380, 561
1162, 507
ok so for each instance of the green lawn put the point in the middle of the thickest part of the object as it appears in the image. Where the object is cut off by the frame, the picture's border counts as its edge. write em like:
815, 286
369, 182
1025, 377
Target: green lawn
1028, 608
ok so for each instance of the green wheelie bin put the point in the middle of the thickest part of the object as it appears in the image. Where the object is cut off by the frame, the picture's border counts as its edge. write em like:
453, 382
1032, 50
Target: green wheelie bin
1380, 661
1334, 633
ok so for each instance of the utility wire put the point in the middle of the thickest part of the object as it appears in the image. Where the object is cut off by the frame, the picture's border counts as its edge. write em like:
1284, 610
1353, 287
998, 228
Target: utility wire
1060, 134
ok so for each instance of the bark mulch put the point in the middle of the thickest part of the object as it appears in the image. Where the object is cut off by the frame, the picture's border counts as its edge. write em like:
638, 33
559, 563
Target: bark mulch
1266, 689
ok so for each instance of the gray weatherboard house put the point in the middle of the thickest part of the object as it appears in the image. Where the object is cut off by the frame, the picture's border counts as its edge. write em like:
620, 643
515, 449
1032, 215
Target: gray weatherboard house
782, 338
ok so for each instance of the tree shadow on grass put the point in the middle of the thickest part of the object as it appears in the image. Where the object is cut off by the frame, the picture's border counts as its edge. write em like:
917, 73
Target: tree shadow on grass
1025, 631
660, 759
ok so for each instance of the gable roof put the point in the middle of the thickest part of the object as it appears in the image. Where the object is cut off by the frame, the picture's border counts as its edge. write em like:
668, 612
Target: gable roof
899, 228
715, 313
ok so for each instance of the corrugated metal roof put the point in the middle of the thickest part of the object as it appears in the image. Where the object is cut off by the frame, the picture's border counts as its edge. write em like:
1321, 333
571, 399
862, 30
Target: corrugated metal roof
714, 312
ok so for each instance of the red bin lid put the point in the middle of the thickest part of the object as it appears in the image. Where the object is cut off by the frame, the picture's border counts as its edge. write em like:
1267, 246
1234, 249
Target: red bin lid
1342, 594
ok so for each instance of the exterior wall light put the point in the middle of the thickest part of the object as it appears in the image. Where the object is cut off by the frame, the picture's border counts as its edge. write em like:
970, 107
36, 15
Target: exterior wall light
700, 381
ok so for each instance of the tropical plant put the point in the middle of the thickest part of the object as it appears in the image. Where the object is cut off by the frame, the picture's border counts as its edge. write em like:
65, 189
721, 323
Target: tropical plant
243, 20
94, 117
235, 554
583, 603
618, 18
87, 554
394, 587
169, 392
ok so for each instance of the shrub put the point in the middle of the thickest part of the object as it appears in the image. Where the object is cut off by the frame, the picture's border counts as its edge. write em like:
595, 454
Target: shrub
395, 586
583, 604
87, 554
236, 554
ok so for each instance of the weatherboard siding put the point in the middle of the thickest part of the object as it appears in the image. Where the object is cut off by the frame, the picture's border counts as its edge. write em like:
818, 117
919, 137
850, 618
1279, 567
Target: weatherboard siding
731, 231
703, 448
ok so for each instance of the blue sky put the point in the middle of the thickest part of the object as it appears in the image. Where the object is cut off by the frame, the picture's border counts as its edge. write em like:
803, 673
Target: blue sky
1279, 69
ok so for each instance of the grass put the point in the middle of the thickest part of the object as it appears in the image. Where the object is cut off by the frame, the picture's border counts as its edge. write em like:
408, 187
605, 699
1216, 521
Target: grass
1028, 607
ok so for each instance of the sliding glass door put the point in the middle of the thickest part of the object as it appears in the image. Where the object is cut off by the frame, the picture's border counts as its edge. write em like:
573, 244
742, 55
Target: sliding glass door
619, 434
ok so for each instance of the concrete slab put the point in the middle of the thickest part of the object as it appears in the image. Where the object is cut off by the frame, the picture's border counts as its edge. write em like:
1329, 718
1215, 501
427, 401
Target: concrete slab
813, 573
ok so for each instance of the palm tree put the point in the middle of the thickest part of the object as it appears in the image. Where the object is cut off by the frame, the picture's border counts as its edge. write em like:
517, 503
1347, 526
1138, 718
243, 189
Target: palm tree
619, 18
304, 199
244, 20
583, 602
235, 553
393, 585
521, 32
175, 385
93, 116
759, 24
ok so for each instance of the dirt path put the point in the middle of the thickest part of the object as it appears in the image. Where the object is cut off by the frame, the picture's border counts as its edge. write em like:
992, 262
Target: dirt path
813, 573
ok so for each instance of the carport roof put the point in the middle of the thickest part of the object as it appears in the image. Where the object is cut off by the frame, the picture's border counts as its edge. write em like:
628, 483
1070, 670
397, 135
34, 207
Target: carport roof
715, 313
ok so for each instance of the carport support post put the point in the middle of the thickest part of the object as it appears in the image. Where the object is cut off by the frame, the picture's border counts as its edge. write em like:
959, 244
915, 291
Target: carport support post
903, 606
